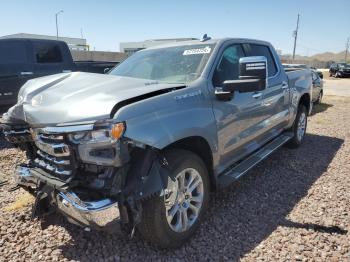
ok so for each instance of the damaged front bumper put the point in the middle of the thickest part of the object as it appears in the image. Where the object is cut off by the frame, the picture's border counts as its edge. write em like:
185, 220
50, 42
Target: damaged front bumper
99, 214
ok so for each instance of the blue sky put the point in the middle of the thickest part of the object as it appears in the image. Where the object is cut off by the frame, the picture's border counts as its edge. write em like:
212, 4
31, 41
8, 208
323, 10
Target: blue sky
324, 24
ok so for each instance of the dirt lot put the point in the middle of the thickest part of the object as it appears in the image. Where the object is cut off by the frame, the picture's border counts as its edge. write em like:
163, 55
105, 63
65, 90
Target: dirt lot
293, 206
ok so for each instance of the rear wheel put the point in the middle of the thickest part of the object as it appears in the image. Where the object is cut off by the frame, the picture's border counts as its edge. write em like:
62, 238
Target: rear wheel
298, 128
169, 220
319, 99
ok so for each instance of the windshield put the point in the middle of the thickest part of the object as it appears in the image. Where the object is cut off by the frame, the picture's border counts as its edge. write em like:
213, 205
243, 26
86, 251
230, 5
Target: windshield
180, 64
344, 65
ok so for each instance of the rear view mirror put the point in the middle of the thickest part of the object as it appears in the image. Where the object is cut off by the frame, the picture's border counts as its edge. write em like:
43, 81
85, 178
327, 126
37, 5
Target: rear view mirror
253, 67
252, 78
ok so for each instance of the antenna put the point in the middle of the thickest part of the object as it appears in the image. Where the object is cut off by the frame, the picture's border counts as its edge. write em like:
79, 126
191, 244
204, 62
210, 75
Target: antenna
205, 38
295, 37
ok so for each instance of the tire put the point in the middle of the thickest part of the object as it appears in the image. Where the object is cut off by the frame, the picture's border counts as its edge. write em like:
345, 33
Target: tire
296, 129
154, 225
319, 99
337, 75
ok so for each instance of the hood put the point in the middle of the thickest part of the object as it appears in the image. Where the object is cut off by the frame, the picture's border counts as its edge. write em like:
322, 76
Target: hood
77, 97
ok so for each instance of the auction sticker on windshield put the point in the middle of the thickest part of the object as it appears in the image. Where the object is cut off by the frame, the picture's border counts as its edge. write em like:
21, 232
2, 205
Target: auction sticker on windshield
197, 51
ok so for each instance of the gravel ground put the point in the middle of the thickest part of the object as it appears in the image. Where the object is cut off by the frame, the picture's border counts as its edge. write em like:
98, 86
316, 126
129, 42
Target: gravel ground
293, 206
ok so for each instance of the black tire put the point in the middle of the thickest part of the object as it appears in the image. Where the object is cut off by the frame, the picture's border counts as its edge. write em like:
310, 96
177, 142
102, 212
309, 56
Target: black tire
319, 99
154, 226
296, 141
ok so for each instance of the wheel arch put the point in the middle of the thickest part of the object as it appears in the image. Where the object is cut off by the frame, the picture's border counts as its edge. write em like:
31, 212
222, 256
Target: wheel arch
305, 100
199, 146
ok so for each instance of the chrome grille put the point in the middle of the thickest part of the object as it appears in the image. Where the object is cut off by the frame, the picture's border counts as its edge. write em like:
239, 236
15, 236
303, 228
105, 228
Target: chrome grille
54, 155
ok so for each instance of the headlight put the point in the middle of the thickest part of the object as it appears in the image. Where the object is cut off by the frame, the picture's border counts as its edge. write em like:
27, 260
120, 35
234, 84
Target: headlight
103, 132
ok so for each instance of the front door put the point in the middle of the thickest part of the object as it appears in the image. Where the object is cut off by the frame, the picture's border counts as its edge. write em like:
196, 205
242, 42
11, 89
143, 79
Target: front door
238, 119
15, 70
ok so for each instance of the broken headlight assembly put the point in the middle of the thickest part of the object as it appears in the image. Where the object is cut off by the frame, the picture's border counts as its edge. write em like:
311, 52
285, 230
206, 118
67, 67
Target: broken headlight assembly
103, 132
102, 145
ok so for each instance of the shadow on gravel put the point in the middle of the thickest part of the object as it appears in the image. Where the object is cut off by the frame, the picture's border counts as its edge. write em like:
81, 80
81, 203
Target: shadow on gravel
239, 218
315, 227
318, 108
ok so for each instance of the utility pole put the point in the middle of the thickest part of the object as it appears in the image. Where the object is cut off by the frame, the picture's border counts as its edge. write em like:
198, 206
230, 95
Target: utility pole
346, 49
295, 37
61, 11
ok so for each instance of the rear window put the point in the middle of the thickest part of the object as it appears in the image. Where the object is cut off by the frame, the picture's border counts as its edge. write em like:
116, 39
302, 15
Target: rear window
13, 53
262, 50
47, 53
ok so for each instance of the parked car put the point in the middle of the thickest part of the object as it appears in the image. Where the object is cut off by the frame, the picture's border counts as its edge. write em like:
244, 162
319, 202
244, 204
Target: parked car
339, 70
143, 146
24, 59
317, 87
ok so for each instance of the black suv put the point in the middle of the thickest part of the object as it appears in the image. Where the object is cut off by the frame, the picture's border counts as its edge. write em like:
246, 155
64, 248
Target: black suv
339, 70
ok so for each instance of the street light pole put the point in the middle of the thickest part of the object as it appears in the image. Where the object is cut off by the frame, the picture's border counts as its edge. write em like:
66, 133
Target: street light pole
56, 15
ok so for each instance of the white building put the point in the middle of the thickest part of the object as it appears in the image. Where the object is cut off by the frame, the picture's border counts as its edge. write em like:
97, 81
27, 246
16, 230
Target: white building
131, 47
73, 43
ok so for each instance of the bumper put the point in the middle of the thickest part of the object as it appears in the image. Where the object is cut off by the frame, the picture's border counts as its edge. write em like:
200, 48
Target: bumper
344, 73
101, 214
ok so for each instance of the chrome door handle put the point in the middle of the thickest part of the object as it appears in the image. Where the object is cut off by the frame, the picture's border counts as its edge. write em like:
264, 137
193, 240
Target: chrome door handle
257, 95
284, 85
26, 73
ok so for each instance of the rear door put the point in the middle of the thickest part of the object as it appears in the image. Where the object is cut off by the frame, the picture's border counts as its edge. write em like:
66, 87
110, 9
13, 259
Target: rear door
237, 119
50, 58
276, 94
15, 69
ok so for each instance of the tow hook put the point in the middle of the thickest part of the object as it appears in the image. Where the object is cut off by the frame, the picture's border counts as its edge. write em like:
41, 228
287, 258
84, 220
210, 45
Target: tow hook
42, 207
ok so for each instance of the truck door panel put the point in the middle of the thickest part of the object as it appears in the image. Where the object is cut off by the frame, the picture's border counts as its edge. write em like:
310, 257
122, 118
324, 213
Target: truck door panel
238, 120
276, 94
15, 70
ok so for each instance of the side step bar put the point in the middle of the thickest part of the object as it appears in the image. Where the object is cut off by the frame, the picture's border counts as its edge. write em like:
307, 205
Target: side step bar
243, 167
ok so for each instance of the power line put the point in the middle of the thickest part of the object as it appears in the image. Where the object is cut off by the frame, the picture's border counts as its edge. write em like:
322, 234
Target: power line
295, 37
347, 48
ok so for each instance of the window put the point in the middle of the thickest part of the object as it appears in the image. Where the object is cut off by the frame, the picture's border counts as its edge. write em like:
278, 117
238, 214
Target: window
178, 64
13, 52
314, 76
47, 53
261, 50
228, 67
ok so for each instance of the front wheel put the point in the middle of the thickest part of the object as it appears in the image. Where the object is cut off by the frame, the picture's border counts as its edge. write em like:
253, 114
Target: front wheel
169, 220
298, 128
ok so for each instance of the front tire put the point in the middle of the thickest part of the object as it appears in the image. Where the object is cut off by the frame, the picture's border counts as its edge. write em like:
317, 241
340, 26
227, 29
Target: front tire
298, 128
170, 220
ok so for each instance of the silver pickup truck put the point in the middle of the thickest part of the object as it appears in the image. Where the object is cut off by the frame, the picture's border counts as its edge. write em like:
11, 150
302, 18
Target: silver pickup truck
142, 147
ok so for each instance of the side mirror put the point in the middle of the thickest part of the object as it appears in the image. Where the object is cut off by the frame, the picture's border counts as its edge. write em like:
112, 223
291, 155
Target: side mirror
252, 78
106, 70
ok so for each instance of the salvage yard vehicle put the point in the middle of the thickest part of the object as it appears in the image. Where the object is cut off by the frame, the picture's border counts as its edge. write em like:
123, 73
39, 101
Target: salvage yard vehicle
143, 146
339, 70
317, 87
23, 59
